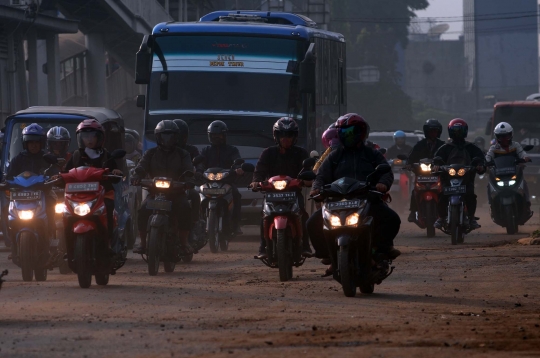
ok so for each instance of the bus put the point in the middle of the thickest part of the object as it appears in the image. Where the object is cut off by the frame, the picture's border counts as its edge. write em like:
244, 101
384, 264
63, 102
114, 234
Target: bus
246, 68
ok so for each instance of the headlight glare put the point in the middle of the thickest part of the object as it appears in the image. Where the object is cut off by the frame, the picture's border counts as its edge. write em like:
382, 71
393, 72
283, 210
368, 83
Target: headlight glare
59, 208
165, 184
452, 172
511, 182
82, 209
335, 221
352, 219
500, 183
26, 214
461, 172
210, 176
425, 167
280, 184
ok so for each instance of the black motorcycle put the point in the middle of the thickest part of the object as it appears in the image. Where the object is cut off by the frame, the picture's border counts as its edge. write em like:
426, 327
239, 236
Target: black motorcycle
347, 203
506, 192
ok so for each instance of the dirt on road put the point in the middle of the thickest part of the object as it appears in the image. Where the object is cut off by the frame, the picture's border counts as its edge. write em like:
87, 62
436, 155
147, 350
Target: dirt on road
477, 299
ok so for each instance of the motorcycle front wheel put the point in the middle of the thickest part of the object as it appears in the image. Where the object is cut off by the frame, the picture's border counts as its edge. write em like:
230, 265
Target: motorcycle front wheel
347, 271
83, 259
511, 220
102, 279
153, 251
26, 255
456, 231
284, 255
213, 231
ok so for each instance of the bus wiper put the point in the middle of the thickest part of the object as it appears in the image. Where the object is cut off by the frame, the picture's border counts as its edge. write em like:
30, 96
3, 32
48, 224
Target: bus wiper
164, 76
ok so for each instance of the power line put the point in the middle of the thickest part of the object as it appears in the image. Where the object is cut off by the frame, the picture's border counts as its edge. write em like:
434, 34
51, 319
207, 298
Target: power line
429, 20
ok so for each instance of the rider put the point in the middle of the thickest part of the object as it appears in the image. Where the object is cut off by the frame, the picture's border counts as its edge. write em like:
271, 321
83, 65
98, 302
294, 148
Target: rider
90, 139
131, 148
425, 149
58, 141
399, 147
506, 147
219, 154
169, 161
480, 142
459, 151
355, 160
285, 158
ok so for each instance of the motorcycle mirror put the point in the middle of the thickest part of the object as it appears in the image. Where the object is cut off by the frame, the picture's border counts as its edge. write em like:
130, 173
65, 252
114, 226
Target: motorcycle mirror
198, 160
528, 147
438, 161
308, 175
383, 168
248, 167
118, 154
309, 163
403, 156
382, 151
50, 158
239, 161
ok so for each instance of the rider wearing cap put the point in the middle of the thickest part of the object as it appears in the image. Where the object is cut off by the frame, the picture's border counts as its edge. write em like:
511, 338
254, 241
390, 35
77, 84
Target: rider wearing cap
399, 147
285, 158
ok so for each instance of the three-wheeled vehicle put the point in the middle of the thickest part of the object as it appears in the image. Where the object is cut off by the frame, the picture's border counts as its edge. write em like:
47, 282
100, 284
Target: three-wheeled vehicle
70, 117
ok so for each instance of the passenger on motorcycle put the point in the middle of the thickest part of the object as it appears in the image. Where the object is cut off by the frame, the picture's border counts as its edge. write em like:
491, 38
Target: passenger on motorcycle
355, 160
506, 147
58, 141
424, 149
131, 148
90, 139
480, 142
399, 147
285, 158
459, 151
168, 161
219, 154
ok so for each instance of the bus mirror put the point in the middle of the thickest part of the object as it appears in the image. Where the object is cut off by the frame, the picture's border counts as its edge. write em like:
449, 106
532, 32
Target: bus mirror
141, 101
307, 71
143, 62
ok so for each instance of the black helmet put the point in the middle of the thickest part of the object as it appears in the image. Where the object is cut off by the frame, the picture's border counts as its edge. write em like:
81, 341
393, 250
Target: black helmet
432, 124
183, 131
166, 133
134, 133
480, 142
214, 130
285, 126
58, 140
34, 133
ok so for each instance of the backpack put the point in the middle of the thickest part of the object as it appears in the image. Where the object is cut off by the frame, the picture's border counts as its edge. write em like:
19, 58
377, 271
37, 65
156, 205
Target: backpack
459, 155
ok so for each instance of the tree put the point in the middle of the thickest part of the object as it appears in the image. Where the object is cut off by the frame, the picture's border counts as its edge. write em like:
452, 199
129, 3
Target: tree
375, 30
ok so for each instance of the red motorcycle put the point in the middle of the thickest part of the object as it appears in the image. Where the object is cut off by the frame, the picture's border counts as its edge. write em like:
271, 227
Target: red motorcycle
427, 188
282, 223
88, 244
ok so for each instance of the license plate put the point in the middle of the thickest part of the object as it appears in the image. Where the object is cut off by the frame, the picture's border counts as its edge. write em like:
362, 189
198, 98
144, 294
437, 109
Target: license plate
25, 195
164, 205
281, 196
82, 187
431, 179
214, 191
505, 171
451, 190
343, 204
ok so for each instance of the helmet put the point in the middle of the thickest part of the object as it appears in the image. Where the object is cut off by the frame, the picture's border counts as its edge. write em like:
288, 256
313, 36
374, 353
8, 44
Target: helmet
88, 129
480, 142
58, 140
285, 127
432, 124
214, 130
183, 130
34, 133
131, 143
504, 133
400, 136
166, 133
134, 133
333, 125
330, 138
353, 130
458, 129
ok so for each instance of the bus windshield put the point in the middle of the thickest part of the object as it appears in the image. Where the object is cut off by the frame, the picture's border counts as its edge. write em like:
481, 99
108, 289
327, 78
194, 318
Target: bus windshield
226, 73
525, 120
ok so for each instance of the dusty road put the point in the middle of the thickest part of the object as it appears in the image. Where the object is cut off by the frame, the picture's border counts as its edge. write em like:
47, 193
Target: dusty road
477, 299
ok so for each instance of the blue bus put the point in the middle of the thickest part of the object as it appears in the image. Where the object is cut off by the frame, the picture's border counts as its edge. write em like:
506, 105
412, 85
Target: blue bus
246, 68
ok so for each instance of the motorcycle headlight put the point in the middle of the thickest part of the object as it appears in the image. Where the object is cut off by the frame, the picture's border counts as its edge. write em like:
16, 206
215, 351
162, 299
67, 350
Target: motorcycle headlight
59, 208
511, 182
498, 179
335, 221
461, 172
82, 209
280, 184
514, 177
452, 172
165, 184
216, 176
352, 219
500, 183
26, 214
425, 167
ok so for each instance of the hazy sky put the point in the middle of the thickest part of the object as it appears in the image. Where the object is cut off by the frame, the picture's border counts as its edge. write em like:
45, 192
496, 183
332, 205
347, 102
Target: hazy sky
445, 8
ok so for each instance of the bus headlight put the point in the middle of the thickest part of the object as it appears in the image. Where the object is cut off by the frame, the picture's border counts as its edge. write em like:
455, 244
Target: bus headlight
26, 214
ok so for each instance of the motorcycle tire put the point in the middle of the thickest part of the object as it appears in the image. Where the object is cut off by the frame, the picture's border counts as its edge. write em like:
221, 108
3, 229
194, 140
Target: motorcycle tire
41, 274
213, 232
455, 227
223, 243
364, 258
431, 216
347, 271
63, 266
169, 266
284, 255
102, 279
511, 220
188, 258
82, 258
130, 235
153, 251
26, 255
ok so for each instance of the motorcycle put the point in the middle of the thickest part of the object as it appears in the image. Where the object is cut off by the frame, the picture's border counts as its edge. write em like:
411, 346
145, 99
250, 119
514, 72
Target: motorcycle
282, 221
90, 250
217, 202
346, 204
427, 188
401, 190
506, 192
28, 224
457, 223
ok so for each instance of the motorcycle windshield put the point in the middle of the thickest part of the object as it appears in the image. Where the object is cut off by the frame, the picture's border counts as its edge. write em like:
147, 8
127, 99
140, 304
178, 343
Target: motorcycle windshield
505, 165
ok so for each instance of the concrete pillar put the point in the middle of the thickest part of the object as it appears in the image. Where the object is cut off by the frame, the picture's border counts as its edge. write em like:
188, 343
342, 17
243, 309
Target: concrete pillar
10, 75
95, 70
21, 75
31, 45
53, 69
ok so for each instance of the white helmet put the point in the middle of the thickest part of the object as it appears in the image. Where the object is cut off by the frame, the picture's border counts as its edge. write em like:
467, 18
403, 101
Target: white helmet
503, 133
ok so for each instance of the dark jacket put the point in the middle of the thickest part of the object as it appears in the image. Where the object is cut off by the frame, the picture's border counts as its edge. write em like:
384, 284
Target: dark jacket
351, 163
159, 163
272, 163
80, 158
25, 161
393, 151
447, 149
222, 156
193, 152
422, 150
